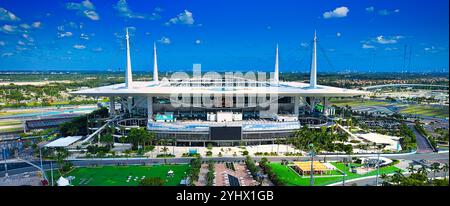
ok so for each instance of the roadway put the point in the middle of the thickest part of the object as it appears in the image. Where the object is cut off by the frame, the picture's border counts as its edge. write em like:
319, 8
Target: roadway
18, 168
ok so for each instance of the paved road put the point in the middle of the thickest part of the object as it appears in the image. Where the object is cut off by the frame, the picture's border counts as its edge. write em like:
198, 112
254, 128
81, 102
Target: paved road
17, 168
422, 143
372, 180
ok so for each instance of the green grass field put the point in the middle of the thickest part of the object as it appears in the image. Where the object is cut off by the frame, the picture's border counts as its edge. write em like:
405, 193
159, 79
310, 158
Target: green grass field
354, 103
426, 110
293, 179
10, 122
118, 175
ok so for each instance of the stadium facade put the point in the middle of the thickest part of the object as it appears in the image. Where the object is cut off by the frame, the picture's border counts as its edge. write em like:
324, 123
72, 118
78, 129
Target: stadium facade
225, 109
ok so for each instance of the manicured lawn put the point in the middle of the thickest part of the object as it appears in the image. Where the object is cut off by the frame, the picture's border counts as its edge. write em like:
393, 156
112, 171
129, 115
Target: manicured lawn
293, 179
10, 122
426, 110
354, 103
118, 175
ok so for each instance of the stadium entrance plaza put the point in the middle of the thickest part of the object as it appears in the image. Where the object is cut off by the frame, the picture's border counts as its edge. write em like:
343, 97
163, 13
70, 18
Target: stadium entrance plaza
225, 151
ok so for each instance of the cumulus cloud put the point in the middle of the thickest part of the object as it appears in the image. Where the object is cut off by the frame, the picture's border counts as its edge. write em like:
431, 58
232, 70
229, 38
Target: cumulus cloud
84, 36
185, 17
85, 8
367, 46
7, 54
6, 15
385, 12
370, 9
164, 40
79, 46
336, 13
21, 43
124, 11
388, 40
27, 37
8, 29
36, 24
65, 34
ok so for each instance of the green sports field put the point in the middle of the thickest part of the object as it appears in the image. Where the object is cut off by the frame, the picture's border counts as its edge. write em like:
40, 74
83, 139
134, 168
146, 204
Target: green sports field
426, 110
354, 103
118, 175
291, 178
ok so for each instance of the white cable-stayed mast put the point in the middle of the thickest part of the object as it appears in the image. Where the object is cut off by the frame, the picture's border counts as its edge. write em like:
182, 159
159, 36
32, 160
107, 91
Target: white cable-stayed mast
313, 74
155, 64
276, 76
128, 74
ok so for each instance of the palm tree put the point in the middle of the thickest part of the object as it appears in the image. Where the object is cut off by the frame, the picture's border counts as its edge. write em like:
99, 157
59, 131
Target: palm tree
411, 168
435, 168
445, 169
423, 170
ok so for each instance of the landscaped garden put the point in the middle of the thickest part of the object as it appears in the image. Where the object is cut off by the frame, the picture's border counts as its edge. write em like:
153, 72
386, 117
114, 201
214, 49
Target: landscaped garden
119, 175
291, 178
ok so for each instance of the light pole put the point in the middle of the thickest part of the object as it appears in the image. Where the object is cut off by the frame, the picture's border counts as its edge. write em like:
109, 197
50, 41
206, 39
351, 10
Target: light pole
311, 181
4, 158
378, 169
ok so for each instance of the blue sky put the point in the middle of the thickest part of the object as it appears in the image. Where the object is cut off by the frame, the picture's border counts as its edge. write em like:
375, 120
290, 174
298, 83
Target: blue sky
224, 35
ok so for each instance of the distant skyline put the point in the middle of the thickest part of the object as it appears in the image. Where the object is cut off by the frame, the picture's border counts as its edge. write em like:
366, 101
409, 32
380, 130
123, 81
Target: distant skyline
225, 35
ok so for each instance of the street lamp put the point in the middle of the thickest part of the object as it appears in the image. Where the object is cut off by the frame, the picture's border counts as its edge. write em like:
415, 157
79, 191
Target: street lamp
378, 169
311, 152
4, 158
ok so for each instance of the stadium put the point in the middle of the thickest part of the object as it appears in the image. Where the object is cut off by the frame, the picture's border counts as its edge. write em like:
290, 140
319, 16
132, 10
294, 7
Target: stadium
229, 109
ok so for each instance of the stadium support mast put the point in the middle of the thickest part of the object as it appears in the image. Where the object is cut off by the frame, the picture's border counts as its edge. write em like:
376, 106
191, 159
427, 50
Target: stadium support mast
276, 77
155, 64
313, 77
128, 74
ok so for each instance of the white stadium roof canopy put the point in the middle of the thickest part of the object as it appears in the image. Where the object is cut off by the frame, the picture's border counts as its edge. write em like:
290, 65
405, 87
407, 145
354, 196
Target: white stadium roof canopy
64, 141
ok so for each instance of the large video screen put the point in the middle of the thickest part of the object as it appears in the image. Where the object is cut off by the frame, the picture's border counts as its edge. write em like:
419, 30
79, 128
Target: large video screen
225, 133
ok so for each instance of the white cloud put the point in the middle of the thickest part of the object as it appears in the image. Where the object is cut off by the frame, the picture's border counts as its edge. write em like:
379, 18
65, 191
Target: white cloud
370, 9
388, 40
390, 48
336, 13
79, 46
164, 40
338, 34
2, 43
21, 43
25, 26
84, 36
6, 15
185, 17
7, 54
85, 8
385, 12
36, 24
367, 46
9, 29
27, 37
304, 44
124, 11
91, 15
198, 41
65, 34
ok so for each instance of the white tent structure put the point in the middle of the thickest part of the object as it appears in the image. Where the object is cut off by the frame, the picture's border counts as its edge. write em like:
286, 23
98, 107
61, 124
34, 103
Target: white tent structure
63, 181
